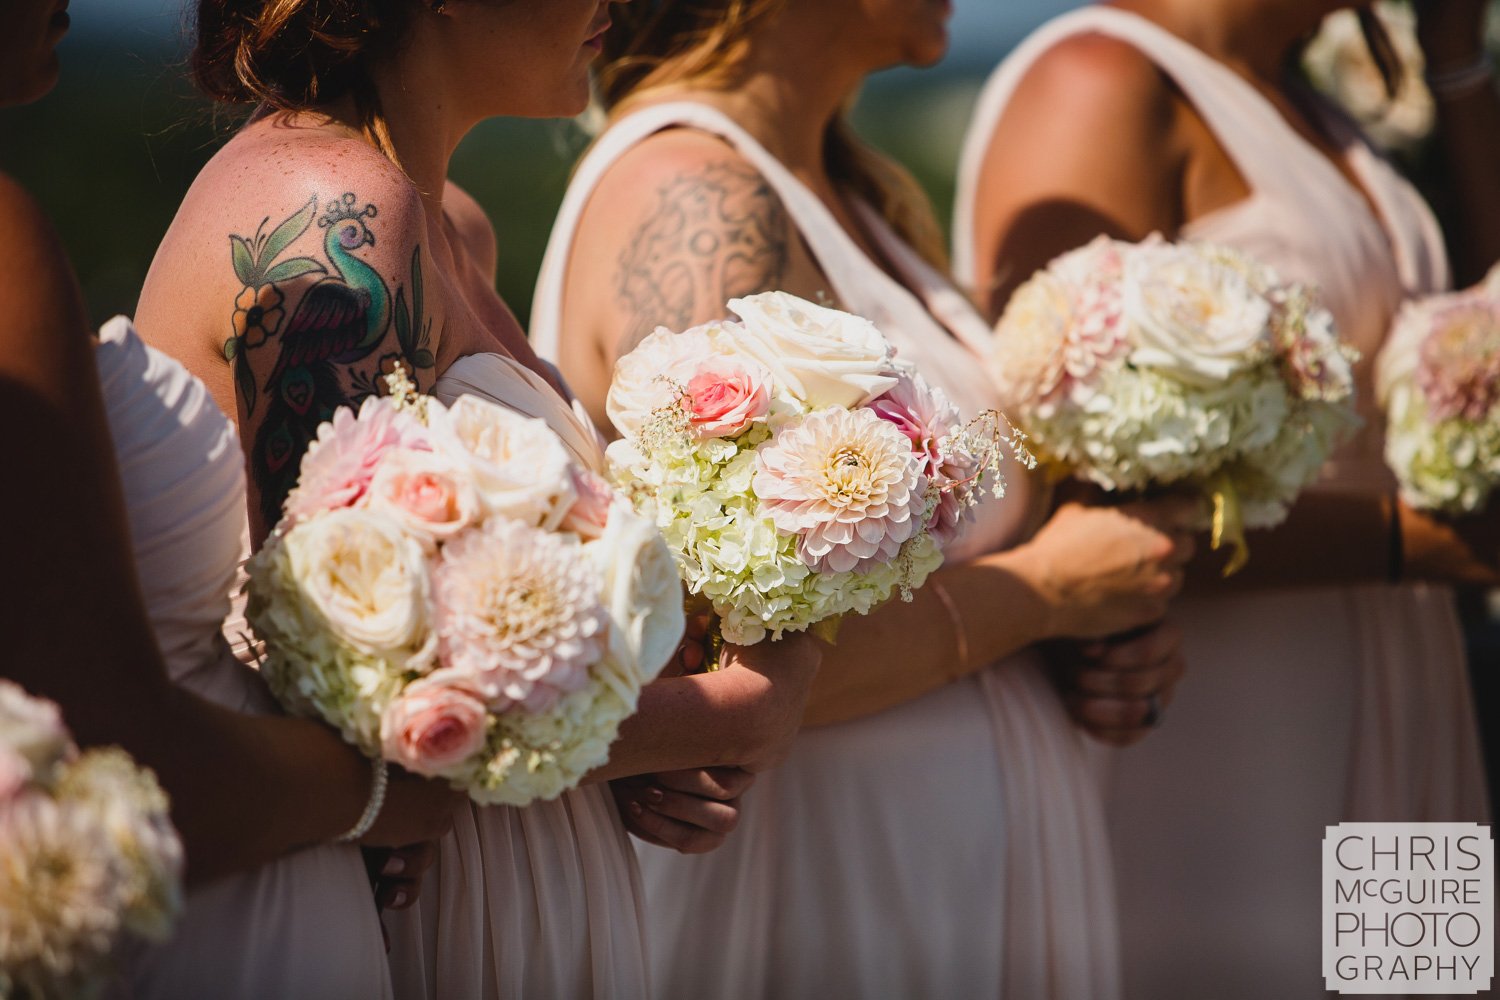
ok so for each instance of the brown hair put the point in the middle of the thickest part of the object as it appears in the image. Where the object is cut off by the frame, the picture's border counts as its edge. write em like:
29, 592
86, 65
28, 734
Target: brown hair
293, 55
703, 43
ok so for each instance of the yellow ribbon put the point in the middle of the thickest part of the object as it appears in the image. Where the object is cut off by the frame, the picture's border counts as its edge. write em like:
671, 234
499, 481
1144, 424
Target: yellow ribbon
828, 629
1228, 523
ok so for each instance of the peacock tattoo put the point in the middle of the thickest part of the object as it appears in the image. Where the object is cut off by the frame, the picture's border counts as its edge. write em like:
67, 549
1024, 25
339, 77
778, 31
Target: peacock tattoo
339, 321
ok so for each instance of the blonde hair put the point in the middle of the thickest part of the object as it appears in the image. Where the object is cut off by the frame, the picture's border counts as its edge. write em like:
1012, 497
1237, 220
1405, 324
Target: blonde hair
704, 43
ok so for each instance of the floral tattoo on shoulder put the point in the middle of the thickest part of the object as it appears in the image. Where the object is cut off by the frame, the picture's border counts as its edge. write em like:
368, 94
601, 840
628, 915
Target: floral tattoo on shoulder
325, 347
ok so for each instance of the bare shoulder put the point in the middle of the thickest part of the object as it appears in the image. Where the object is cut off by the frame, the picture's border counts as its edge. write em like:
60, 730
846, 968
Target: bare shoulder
678, 226
42, 303
31, 253
472, 226
292, 280
1096, 74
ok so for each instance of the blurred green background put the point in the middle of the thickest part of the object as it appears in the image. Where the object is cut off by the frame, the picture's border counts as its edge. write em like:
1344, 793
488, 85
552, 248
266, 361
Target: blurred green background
112, 150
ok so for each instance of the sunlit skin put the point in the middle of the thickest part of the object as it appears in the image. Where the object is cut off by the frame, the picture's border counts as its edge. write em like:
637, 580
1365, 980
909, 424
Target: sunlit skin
245, 789
1044, 190
456, 65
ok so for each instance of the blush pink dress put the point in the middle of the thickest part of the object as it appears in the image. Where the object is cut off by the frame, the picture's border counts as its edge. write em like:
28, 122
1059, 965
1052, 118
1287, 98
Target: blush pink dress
542, 902
1302, 707
950, 847
300, 928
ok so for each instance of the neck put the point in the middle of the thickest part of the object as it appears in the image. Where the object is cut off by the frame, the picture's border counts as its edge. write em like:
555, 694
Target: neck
1253, 36
425, 122
794, 81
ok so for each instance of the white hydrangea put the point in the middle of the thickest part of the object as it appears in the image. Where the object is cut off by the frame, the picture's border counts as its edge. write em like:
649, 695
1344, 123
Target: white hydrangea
1231, 379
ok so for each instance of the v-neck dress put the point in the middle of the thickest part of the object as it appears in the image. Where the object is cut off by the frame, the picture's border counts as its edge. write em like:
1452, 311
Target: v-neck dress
1303, 707
952, 846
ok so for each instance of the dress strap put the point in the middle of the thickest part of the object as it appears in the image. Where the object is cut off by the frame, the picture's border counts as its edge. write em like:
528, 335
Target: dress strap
811, 217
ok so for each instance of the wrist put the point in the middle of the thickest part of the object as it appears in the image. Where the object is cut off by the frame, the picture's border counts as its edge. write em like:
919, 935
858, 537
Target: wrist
1036, 597
379, 779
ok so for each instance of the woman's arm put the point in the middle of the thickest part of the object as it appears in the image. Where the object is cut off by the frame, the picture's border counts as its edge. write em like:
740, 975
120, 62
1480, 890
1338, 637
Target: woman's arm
244, 789
1091, 572
900, 651
1047, 188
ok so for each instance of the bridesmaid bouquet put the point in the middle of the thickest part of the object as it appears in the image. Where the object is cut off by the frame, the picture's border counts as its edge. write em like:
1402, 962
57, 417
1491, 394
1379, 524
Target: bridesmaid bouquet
1439, 382
796, 469
88, 856
455, 594
1137, 366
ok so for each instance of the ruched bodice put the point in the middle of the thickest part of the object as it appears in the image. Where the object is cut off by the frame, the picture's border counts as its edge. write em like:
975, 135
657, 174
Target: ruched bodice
302, 927
183, 475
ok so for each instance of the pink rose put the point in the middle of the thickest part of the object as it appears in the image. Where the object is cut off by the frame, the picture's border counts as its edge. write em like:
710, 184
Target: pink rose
339, 466
429, 495
725, 395
589, 515
432, 728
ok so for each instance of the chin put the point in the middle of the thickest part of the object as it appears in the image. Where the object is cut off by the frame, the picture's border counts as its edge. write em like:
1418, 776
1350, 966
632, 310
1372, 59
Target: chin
924, 53
31, 87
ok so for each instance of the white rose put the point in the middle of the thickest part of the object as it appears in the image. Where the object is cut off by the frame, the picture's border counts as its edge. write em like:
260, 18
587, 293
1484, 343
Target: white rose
642, 594
364, 576
821, 356
1193, 317
520, 467
652, 374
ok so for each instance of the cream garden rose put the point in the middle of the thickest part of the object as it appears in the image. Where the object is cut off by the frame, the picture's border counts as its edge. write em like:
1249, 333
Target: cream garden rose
1194, 318
822, 356
520, 467
365, 576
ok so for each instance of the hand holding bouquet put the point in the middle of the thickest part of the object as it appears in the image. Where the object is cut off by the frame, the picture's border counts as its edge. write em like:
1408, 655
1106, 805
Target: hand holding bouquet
797, 470
88, 855
1439, 382
1159, 365
453, 592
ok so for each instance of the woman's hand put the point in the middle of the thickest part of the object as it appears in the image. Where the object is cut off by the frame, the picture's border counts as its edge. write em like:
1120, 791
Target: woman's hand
1117, 691
1100, 571
785, 669
691, 812
416, 810
403, 842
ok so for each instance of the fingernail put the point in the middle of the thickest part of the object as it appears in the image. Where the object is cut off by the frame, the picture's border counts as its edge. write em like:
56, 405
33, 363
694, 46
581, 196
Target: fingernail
394, 865
635, 808
654, 796
400, 899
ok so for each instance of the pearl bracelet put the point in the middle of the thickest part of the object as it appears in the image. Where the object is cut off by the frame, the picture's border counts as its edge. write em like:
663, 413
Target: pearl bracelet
379, 777
1462, 80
